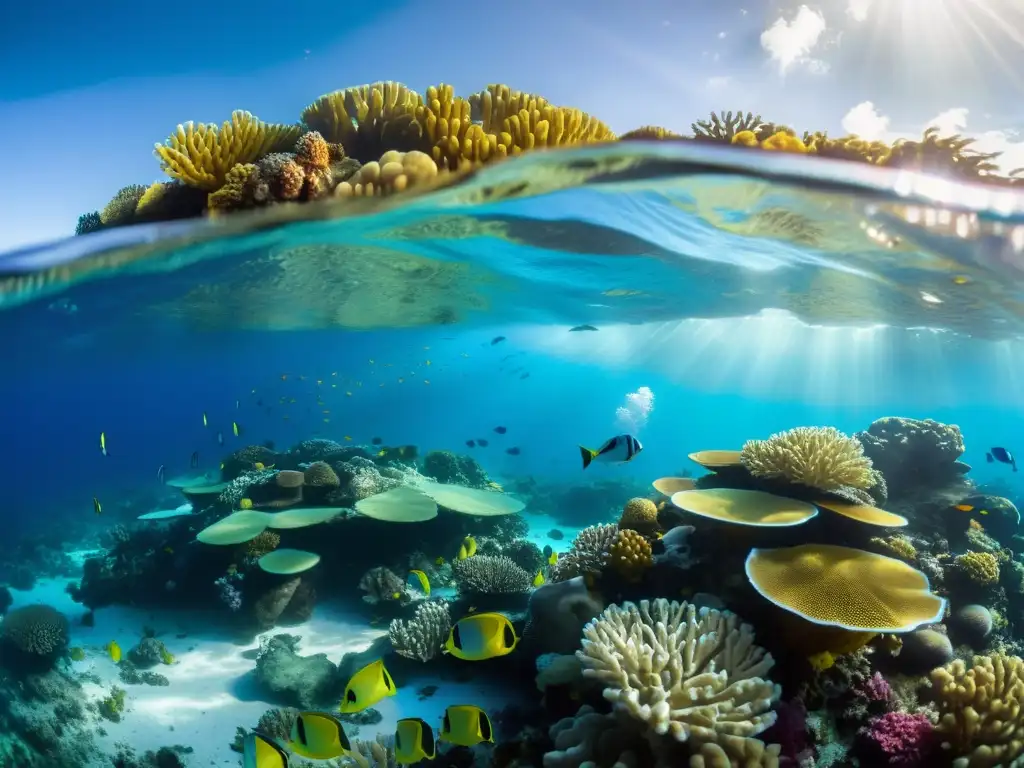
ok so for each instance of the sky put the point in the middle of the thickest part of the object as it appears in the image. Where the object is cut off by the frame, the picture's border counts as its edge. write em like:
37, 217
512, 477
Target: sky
89, 90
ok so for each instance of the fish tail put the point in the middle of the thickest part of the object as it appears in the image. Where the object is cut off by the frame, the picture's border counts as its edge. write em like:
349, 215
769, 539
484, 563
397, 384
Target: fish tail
587, 455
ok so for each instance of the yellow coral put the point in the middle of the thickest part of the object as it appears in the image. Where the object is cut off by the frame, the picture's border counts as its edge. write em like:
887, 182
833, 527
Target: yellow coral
450, 133
639, 512
630, 554
745, 139
982, 568
784, 142
243, 187
897, 546
201, 155
394, 172
648, 133
121, 208
312, 151
817, 457
821, 661
368, 120
843, 587
980, 711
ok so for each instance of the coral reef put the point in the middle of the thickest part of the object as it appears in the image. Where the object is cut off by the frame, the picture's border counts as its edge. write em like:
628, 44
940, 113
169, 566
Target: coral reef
384, 138
422, 636
488, 575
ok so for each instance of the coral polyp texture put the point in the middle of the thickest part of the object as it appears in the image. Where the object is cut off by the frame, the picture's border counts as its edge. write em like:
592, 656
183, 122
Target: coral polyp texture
247, 163
696, 676
817, 457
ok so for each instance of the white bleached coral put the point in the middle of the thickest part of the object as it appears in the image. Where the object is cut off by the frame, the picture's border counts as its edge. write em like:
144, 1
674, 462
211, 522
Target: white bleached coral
422, 636
695, 675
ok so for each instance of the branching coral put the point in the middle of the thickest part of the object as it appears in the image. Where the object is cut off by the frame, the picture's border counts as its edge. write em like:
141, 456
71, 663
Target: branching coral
694, 675
725, 127
816, 457
980, 720
201, 155
490, 575
422, 636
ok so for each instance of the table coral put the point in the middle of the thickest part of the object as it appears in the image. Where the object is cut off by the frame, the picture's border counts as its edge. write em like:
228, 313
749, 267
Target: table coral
980, 720
693, 675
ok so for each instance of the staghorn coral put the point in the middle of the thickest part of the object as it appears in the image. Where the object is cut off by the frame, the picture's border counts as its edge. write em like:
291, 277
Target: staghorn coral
121, 208
35, 630
696, 676
980, 722
492, 575
725, 127
816, 457
201, 155
981, 568
630, 555
394, 172
422, 636
950, 155
588, 553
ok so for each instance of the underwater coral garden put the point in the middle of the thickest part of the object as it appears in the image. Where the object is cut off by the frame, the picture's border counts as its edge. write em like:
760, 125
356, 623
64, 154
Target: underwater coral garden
386, 138
812, 599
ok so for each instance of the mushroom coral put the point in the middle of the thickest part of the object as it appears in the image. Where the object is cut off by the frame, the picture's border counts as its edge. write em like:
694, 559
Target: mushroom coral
979, 708
845, 588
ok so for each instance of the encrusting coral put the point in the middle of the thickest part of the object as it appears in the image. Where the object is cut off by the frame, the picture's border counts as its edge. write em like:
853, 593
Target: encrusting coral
245, 162
696, 676
981, 568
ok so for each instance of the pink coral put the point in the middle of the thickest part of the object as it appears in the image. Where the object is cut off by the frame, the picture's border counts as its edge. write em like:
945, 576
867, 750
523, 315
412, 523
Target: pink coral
899, 739
875, 689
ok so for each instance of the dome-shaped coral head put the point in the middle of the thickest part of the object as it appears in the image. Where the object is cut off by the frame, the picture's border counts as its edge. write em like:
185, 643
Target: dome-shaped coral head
815, 457
845, 588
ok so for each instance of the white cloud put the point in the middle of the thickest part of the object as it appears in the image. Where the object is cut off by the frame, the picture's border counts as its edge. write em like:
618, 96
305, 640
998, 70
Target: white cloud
858, 9
717, 83
790, 43
867, 122
721, 35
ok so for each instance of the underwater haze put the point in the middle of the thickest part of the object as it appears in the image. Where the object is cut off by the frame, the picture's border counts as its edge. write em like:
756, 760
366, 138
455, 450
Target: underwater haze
659, 407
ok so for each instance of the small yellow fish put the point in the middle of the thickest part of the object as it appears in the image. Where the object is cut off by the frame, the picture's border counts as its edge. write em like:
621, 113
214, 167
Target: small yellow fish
96, 506
382, 452
427, 362
245, 504
114, 650
348, 437
169, 550
205, 422
103, 443
234, 428
369, 685
259, 751
439, 561
961, 280
259, 466
318, 736
424, 582
471, 609
538, 579
77, 654
468, 548
481, 636
414, 741
396, 595
466, 726
552, 558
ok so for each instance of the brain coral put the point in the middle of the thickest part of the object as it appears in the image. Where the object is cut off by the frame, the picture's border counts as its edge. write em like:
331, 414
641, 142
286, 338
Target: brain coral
694, 675
38, 630
639, 512
816, 457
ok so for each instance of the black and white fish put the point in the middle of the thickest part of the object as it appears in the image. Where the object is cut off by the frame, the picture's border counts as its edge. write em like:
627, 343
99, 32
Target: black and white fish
1003, 456
617, 450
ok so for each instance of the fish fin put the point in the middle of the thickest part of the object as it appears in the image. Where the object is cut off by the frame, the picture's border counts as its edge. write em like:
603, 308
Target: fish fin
587, 455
